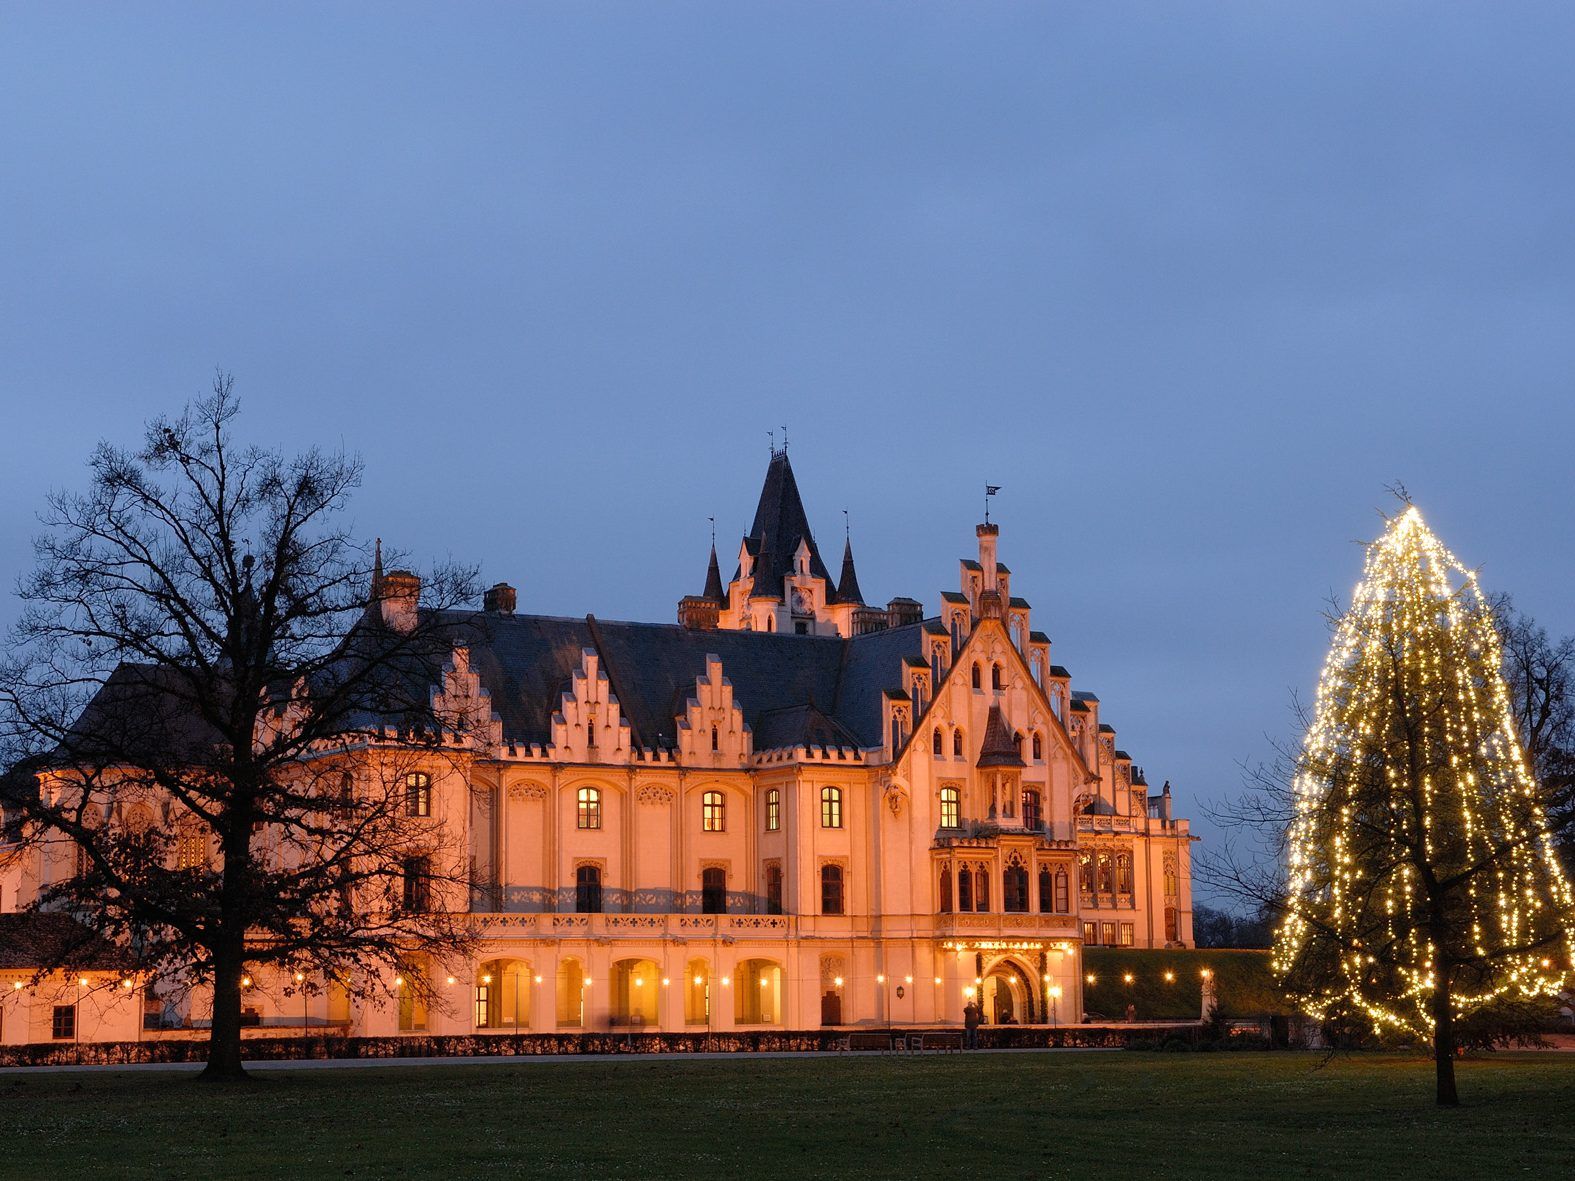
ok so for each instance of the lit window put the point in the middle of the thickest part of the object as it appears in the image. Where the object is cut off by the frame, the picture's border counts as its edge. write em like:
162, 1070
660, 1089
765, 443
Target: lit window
981, 890
1124, 874
950, 814
64, 1026
773, 810
588, 889
1127, 935
418, 794
1107, 934
191, 848
1091, 934
1063, 901
1032, 816
831, 807
590, 804
713, 812
831, 899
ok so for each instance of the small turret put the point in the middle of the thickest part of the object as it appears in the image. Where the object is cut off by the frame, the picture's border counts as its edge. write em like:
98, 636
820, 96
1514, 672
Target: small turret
700, 611
848, 585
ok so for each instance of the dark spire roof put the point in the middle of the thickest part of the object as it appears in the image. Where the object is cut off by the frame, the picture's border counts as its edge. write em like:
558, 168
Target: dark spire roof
999, 748
713, 580
848, 586
780, 524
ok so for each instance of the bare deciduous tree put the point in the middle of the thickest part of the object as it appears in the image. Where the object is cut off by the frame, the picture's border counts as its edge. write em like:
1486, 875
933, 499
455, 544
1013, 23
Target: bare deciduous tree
221, 725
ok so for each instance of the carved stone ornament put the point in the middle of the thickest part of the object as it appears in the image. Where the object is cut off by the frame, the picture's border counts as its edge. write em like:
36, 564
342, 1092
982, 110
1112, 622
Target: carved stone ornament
527, 791
654, 795
896, 795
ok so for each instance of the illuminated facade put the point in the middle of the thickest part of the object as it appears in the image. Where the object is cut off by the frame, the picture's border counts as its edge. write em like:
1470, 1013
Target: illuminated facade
790, 809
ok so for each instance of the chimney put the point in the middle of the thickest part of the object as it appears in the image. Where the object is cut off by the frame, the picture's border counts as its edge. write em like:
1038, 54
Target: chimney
500, 600
989, 590
401, 593
900, 612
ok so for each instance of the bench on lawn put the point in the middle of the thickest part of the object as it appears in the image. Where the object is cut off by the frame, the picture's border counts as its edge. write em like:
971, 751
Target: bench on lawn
868, 1041
937, 1042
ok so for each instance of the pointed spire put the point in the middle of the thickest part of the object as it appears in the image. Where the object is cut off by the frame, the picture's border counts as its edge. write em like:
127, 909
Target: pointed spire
848, 585
713, 579
377, 571
780, 524
999, 748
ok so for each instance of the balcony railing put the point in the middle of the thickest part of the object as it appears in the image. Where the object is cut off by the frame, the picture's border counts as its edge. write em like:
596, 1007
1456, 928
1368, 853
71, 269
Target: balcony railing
641, 926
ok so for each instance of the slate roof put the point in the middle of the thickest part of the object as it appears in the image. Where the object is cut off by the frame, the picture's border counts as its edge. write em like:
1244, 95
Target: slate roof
780, 524
999, 748
792, 689
713, 580
848, 585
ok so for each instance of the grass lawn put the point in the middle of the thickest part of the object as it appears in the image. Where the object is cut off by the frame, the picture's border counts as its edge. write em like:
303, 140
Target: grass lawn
992, 1115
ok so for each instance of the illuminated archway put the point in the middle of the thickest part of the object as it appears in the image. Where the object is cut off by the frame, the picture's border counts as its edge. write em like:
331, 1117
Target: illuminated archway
503, 994
758, 993
1007, 995
635, 985
571, 993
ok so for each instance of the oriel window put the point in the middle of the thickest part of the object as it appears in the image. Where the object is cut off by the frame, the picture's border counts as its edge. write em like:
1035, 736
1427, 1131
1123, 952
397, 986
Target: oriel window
418, 794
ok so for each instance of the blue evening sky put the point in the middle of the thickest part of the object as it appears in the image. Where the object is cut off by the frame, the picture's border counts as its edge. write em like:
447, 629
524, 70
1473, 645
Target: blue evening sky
1193, 283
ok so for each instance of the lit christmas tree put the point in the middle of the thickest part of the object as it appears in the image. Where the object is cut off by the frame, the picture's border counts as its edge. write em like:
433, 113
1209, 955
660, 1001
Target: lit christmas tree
1423, 884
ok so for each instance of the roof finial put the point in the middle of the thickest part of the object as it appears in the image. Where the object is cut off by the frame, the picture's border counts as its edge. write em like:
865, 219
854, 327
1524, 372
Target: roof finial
784, 438
772, 435
847, 526
377, 569
713, 531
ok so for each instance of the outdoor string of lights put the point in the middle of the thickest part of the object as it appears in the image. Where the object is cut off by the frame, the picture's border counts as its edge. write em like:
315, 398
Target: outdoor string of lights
1417, 599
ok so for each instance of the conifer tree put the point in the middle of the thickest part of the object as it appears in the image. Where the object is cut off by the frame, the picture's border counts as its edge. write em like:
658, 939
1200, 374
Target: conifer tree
1423, 884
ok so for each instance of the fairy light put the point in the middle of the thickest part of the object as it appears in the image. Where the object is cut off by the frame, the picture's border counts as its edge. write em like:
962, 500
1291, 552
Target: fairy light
1418, 627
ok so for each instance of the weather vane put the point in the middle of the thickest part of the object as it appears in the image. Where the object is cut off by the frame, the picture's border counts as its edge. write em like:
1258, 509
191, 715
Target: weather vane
989, 491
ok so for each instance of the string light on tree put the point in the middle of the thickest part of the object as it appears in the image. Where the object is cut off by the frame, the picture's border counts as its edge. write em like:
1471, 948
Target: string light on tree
1423, 885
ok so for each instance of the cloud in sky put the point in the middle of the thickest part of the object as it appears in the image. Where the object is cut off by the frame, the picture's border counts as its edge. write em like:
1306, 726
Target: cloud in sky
1193, 284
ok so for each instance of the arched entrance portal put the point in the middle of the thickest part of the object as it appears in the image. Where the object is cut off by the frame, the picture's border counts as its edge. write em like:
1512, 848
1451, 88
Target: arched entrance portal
1008, 995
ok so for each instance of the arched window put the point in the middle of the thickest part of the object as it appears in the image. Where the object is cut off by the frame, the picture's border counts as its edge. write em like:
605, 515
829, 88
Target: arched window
995, 676
713, 890
773, 889
938, 743
590, 732
935, 665
715, 739
713, 812
1170, 880
1063, 900
1172, 925
831, 900
981, 889
964, 889
950, 812
1085, 873
1033, 817
1046, 890
946, 889
191, 847
1039, 747
976, 675
1014, 889
418, 794
590, 802
588, 889
773, 810
1124, 874
1107, 881
957, 632
831, 807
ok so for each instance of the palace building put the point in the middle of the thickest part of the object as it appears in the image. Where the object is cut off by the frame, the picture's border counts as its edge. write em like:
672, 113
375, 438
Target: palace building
789, 809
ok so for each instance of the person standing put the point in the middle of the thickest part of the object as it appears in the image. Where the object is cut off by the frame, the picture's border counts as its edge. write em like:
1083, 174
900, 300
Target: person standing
971, 1017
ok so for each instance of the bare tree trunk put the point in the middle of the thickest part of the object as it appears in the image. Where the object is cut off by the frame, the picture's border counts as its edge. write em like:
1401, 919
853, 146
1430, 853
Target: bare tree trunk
1444, 1041
224, 1036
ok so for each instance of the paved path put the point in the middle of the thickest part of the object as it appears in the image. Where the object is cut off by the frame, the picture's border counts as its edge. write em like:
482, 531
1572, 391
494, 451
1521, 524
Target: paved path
520, 1060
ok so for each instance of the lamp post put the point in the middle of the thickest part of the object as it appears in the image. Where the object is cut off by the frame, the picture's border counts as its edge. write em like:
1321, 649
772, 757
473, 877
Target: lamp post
1055, 1005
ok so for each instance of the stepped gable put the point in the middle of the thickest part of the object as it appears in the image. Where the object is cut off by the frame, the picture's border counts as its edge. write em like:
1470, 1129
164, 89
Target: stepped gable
793, 690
